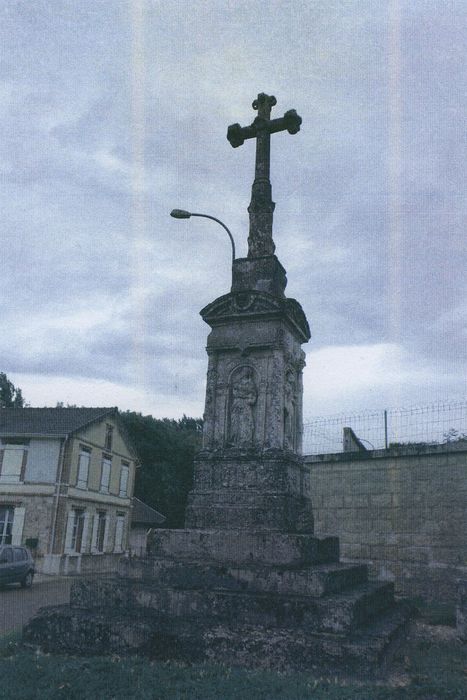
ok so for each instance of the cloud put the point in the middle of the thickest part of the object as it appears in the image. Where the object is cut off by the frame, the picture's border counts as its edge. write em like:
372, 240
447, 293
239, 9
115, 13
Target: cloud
107, 127
48, 391
385, 375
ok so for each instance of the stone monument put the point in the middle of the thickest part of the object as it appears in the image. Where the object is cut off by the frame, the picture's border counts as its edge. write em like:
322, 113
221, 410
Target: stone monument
246, 582
248, 474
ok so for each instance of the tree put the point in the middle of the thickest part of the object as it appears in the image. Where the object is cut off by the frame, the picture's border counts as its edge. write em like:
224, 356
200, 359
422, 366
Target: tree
10, 396
454, 435
166, 448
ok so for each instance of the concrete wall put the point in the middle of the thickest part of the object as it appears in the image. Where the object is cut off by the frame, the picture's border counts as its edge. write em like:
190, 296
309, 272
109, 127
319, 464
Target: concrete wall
403, 511
138, 540
70, 564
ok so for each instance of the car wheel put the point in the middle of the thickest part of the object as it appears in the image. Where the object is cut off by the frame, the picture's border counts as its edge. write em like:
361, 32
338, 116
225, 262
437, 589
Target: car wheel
27, 580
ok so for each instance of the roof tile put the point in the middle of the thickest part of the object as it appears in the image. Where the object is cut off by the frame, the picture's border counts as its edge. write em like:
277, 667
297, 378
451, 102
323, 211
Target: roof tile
48, 421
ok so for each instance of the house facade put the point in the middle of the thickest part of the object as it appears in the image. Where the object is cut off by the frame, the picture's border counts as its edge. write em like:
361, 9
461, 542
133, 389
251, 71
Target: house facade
66, 481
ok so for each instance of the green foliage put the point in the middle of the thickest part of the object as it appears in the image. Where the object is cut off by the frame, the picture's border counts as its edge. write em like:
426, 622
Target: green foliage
451, 436
166, 448
454, 435
436, 671
9, 644
422, 445
10, 396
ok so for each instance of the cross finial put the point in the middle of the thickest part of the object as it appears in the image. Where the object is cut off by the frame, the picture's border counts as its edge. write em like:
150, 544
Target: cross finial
264, 103
261, 207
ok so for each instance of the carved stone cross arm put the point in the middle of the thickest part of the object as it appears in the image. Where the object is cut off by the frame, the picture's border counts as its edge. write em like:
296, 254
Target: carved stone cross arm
261, 207
237, 135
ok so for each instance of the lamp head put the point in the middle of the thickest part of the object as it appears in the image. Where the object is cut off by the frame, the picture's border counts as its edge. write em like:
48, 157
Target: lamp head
180, 214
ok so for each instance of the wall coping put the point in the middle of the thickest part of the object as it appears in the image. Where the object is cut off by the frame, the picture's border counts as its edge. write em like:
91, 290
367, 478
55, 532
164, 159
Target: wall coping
400, 451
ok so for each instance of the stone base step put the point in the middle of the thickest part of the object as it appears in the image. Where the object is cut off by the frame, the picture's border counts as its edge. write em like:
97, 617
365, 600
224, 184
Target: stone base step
336, 613
249, 510
368, 652
238, 547
317, 580
62, 629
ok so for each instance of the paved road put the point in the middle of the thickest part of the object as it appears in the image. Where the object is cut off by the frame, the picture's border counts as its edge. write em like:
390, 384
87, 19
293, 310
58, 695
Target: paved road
18, 605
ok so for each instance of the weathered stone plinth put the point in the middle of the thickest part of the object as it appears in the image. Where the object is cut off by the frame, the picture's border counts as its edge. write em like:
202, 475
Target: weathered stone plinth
224, 596
250, 490
240, 597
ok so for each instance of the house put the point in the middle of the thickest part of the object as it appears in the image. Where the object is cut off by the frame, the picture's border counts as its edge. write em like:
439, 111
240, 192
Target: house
66, 482
143, 519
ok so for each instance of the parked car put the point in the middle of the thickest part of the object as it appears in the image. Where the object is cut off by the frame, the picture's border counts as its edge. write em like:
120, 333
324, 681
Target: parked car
16, 565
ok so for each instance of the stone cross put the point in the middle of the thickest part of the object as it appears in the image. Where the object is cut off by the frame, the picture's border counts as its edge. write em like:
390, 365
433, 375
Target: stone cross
261, 207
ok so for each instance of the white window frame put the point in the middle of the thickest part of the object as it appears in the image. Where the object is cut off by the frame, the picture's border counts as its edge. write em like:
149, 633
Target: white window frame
106, 469
19, 513
6, 533
84, 461
79, 515
101, 518
124, 481
69, 531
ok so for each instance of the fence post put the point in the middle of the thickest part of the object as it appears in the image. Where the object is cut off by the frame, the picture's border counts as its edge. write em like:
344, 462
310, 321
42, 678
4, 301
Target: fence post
385, 429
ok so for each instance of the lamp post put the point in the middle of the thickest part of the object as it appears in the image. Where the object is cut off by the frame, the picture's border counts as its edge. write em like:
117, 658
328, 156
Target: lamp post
182, 214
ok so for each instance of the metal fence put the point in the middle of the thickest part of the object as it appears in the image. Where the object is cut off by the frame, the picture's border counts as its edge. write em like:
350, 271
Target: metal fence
435, 424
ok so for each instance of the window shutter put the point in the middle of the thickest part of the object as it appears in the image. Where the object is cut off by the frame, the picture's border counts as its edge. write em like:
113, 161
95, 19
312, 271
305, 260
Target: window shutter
124, 481
69, 532
95, 523
18, 523
119, 534
106, 533
12, 463
85, 544
83, 469
105, 475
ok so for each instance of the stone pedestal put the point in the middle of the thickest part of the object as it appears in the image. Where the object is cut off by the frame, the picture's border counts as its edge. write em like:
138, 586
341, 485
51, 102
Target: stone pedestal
246, 582
250, 490
249, 474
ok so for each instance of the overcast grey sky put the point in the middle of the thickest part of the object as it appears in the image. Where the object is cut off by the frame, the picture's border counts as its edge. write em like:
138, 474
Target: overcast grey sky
115, 111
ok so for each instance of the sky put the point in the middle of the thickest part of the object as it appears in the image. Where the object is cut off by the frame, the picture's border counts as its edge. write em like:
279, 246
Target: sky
113, 112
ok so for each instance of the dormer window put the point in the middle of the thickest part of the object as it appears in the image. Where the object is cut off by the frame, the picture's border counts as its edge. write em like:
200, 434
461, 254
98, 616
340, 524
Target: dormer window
108, 436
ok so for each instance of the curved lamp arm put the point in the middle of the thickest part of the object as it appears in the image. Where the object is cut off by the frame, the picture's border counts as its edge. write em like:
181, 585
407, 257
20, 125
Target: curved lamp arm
182, 214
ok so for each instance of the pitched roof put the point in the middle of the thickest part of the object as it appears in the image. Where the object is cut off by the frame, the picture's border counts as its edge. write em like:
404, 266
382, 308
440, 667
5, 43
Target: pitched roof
57, 422
144, 514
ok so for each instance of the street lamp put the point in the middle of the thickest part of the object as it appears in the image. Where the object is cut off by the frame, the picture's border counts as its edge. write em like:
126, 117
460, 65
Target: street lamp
182, 214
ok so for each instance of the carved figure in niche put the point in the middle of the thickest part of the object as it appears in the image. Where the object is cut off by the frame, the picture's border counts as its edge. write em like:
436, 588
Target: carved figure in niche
243, 396
290, 400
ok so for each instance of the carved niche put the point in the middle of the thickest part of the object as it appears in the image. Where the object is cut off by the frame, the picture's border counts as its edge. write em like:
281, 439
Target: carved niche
290, 410
241, 413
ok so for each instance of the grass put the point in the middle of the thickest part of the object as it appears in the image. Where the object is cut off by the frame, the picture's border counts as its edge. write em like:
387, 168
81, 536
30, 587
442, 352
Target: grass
429, 670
